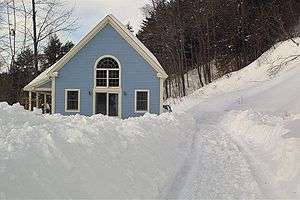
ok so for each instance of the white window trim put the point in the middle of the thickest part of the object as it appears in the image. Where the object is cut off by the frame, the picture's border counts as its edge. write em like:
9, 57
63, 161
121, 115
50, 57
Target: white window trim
108, 89
135, 101
107, 71
66, 100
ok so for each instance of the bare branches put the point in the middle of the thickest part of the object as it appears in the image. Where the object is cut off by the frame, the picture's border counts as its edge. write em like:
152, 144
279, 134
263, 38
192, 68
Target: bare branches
52, 17
214, 37
276, 68
62, 22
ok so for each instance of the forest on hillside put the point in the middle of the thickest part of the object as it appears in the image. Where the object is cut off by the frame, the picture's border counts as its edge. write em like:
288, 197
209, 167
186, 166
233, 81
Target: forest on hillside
211, 37
214, 37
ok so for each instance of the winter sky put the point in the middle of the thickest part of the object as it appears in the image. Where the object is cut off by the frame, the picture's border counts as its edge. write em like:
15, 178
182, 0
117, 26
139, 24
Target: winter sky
90, 12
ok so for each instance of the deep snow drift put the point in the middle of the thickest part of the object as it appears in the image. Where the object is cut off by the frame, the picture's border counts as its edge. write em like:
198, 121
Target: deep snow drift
236, 138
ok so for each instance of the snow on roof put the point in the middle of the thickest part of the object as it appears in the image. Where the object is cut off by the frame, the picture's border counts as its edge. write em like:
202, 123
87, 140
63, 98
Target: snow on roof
122, 30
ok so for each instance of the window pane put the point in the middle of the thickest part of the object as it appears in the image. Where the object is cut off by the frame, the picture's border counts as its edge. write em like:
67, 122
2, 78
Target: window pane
114, 74
113, 105
101, 74
113, 82
101, 103
72, 100
107, 63
101, 82
73, 95
142, 101
142, 96
72, 105
142, 106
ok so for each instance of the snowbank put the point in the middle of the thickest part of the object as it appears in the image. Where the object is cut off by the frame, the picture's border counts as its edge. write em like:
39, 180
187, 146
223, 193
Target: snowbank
80, 157
272, 69
260, 110
235, 138
270, 152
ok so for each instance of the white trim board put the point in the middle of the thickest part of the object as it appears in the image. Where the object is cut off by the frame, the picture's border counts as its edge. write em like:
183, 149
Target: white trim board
161, 95
43, 90
122, 30
53, 95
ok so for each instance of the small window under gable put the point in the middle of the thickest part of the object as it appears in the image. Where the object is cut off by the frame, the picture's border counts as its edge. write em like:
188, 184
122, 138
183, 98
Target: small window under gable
142, 101
72, 100
108, 73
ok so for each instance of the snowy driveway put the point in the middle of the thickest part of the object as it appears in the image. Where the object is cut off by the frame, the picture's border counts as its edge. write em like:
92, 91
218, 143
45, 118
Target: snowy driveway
215, 168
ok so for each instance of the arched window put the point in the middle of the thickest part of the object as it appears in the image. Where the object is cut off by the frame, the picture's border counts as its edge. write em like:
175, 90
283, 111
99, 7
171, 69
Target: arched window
107, 73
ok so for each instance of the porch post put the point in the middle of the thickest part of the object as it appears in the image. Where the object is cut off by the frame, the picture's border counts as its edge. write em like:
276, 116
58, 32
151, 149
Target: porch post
53, 92
161, 92
53, 96
37, 99
30, 100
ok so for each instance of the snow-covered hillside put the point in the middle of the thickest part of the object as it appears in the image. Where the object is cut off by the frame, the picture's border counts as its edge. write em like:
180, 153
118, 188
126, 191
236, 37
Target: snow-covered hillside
236, 138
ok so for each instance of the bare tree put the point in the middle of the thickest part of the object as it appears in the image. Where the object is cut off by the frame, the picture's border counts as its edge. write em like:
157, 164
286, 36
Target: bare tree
12, 26
33, 23
34, 37
2, 8
214, 37
49, 17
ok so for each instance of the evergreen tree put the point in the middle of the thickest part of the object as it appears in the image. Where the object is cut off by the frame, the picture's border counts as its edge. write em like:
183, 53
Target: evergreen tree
65, 49
22, 72
54, 51
24, 61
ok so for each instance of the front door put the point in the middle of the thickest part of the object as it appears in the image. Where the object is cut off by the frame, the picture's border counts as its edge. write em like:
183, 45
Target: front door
107, 104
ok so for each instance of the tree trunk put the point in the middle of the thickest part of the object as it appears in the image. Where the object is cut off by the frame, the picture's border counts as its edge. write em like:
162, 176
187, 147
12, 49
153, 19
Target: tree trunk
183, 85
166, 88
200, 76
35, 42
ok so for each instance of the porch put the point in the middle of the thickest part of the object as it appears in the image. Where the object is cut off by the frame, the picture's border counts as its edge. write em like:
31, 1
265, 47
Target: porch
39, 100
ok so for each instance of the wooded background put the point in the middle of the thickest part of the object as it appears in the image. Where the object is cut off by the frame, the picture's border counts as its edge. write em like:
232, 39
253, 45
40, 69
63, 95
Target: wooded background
213, 37
30, 43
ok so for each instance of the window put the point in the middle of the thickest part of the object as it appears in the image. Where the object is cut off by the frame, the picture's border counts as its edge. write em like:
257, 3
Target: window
72, 100
142, 101
107, 73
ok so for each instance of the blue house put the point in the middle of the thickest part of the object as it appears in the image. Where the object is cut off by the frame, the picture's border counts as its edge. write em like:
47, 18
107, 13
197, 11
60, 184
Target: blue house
108, 72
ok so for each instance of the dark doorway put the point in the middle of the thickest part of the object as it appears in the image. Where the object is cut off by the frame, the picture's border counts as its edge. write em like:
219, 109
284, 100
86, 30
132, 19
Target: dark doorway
107, 104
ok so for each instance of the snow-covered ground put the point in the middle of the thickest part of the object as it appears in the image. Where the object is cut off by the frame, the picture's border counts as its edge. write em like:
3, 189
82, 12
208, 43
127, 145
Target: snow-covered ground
236, 138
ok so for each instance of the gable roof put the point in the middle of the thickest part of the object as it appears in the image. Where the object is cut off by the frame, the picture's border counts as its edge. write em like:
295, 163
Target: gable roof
122, 30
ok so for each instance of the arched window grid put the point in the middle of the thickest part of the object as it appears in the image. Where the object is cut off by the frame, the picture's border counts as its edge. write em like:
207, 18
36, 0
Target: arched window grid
108, 73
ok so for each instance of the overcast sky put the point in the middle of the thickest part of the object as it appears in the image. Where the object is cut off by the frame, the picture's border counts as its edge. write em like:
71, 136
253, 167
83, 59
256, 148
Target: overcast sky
90, 12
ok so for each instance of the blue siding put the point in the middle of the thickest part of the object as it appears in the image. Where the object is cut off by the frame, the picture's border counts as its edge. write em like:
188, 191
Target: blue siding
78, 73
